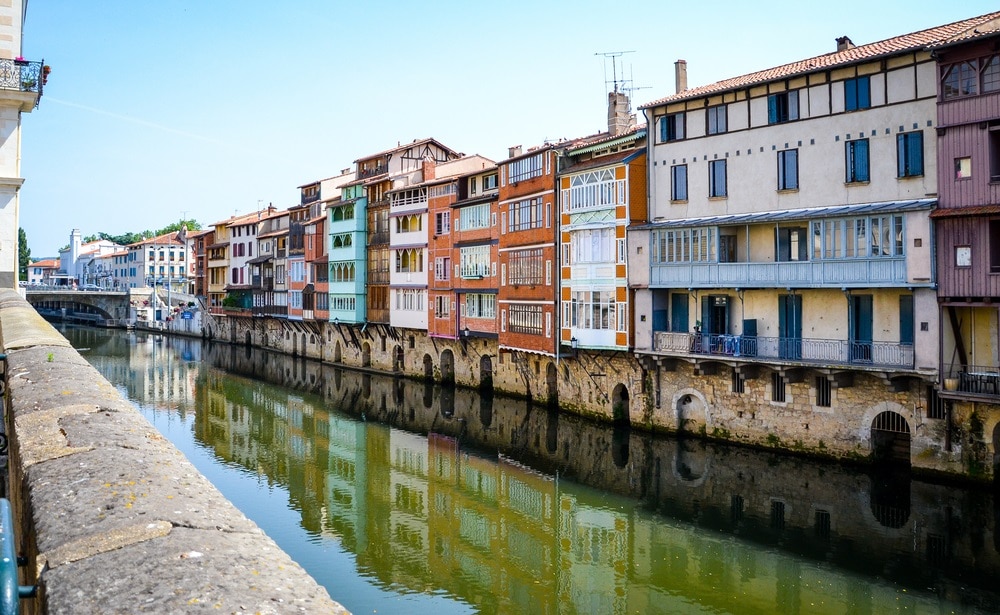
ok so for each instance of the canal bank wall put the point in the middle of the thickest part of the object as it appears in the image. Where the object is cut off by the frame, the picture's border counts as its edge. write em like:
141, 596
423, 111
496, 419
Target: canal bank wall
823, 411
109, 516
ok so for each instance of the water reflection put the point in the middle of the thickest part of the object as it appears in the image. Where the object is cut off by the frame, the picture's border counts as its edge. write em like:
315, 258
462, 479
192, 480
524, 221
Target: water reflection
511, 507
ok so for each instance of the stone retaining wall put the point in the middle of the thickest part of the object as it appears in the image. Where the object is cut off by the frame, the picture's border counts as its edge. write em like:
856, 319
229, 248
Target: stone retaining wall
111, 517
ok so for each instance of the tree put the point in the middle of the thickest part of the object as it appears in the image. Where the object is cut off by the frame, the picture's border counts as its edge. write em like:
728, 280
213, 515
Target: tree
23, 254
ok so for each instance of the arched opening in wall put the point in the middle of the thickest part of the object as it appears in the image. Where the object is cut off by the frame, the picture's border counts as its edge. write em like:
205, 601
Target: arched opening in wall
428, 394
620, 405
366, 355
447, 367
337, 353
691, 460
890, 438
890, 498
428, 367
397, 359
249, 339
485, 375
690, 411
552, 384
303, 344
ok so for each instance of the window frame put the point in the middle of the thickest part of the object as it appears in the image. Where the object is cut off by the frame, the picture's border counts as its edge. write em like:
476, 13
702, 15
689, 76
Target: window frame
714, 190
786, 180
671, 127
783, 107
906, 153
857, 158
676, 182
717, 120
857, 96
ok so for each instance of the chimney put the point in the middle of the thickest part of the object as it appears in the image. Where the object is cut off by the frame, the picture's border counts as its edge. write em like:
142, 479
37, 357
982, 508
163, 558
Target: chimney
681, 75
844, 43
345, 171
428, 165
514, 151
620, 120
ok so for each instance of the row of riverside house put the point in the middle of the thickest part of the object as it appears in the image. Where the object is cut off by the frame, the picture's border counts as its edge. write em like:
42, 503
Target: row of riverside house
807, 257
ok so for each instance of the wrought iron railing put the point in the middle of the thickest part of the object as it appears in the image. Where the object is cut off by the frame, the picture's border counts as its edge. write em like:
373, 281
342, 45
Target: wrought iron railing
973, 379
23, 76
795, 349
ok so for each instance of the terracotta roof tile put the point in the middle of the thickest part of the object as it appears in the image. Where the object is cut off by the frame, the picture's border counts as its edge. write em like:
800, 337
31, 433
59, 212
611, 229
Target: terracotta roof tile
861, 53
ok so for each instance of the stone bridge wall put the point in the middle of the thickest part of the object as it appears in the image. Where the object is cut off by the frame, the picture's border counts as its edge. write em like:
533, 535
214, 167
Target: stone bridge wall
111, 517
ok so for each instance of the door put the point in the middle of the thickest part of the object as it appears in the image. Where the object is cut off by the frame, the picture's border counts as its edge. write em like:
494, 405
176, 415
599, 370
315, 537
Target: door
860, 326
715, 322
906, 319
678, 312
790, 326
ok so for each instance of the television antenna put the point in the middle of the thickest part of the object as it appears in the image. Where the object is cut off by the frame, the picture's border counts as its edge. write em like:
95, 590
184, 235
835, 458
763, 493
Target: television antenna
616, 83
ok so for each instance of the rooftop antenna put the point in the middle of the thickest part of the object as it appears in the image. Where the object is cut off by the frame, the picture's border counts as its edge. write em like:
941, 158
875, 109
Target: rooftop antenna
613, 55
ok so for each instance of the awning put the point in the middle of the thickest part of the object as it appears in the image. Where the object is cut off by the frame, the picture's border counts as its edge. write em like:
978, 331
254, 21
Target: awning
806, 213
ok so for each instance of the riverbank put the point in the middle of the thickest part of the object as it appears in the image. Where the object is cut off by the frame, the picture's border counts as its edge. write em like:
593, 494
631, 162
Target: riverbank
111, 517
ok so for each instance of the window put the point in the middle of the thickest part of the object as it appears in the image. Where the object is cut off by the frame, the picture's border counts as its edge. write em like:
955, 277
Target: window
409, 261
684, 245
995, 154
525, 168
858, 237
410, 299
474, 217
960, 79
480, 305
823, 392
442, 223
857, 94
525, 214
857, 160
472, 185
783, 107
671, 127
593, 245
442, 303
679, 182
738, 382
963, 168
525, 319
525, 267
490, 182
717, 178
342, 272
792, 245
409, 224
475, 262
594, 189
777, 387
994, 241
788, 169
716, 120
442, 268
910, 154
593, 310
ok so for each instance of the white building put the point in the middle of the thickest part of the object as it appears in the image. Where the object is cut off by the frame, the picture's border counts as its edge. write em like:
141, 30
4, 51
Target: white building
159, 261
20, 89
76, 261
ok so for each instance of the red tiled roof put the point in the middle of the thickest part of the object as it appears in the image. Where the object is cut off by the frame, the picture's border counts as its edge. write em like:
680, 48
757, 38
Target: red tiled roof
401, 146
50, 262
958, 212
862, 53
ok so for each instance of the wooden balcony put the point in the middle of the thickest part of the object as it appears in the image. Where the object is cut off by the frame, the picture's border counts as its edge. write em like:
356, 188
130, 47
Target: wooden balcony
972, 382
862, 272
805, 351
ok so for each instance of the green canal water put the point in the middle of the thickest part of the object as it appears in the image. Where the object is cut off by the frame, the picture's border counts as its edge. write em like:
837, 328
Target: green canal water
405, 497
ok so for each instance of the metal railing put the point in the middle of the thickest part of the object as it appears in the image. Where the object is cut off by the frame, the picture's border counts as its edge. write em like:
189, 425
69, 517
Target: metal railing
796, 349
973, 379
23, 76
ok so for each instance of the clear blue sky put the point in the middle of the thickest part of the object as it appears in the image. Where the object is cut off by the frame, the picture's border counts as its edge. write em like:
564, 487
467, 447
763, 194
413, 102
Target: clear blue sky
160, 110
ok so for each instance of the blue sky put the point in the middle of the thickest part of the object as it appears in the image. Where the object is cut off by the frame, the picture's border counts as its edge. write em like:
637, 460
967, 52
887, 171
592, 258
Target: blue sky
156, 111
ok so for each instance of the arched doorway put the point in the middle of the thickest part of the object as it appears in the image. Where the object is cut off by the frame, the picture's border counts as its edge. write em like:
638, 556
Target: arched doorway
485, 374
620, 405
397, 359
337, 358
890, 438
690, 413
552, 384
447, 367
366, 355
428, 367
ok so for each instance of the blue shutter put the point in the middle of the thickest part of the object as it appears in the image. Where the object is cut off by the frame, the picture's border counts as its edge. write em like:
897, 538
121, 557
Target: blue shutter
851, 95
663, 129
915, 153
861, 157
772, 109
793, 105
864, 93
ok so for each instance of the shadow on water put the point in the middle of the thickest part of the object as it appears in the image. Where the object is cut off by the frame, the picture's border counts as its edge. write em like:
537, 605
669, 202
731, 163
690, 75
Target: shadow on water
881, 523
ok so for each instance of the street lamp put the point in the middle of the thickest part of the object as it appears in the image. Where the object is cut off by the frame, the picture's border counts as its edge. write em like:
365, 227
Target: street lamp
574, 344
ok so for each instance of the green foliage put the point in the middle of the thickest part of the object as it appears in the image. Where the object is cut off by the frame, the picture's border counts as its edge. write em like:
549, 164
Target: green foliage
230, 301
128, 238
773, 440
23, 254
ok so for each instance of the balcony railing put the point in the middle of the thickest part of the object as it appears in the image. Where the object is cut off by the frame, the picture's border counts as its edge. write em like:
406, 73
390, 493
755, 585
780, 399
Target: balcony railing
881, 271
793, 349
975, 380
23, 76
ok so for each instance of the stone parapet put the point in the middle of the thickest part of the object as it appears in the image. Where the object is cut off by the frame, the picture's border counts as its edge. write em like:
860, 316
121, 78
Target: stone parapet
110, 516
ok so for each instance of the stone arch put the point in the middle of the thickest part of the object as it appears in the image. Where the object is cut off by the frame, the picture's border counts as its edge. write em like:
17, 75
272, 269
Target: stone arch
690, 408
428, 367
397, 358
337, 353
485, 374
366, 355
620, 405
692, 462
890, 438
552, 384
889, 499
304, 344
447, 366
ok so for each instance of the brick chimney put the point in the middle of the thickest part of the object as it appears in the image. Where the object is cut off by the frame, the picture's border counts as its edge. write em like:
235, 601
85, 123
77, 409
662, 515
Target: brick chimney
428, 165
844, 43
620, 120
681, 75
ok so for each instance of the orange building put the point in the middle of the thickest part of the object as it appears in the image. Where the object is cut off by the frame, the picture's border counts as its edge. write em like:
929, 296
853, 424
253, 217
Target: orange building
527, 296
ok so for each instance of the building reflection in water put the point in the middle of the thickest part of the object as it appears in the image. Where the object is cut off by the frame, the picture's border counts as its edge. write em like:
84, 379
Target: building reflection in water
514, 507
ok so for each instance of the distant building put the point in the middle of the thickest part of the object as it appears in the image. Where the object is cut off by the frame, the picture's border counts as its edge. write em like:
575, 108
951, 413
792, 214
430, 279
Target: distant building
77, 260
43, 271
